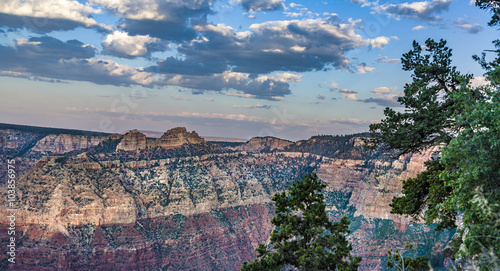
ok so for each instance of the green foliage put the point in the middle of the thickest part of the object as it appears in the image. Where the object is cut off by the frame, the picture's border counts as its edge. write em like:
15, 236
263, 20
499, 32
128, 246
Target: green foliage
436, 96
405, 263
424, 194
304, 238
492, 68
472, 162
427, 119
494, 5
443, 110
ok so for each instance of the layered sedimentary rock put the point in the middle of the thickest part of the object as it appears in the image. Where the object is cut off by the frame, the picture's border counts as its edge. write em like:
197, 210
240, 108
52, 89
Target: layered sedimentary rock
179, 136
57, 144
267, 143
135, 140
132, 141
199, 210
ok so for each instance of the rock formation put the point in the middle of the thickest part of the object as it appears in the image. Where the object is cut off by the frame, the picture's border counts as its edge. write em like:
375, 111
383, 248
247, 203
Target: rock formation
178, 136
267, 143
58, 144
132, 141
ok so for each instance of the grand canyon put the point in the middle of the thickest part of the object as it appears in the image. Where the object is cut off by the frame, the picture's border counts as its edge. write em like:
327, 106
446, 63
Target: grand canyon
95, 201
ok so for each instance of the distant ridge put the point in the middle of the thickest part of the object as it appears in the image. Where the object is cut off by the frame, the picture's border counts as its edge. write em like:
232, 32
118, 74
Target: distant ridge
53, 130
50, 130
225, 139
156, 134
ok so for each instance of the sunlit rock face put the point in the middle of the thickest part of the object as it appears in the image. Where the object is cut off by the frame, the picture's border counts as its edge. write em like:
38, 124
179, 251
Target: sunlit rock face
180, 203
257, 144
132, 141
58, 144
179, 136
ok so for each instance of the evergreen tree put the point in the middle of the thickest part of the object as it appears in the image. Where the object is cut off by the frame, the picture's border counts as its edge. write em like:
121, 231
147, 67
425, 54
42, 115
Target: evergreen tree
399, 262
472, 170
442, 110
304, 238
427, 120
437, 94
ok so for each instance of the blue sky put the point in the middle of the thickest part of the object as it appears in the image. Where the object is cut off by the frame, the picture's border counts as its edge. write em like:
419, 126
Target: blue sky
238, 68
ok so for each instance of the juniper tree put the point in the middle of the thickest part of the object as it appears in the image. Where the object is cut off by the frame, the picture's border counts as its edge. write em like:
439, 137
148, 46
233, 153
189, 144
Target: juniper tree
304, 238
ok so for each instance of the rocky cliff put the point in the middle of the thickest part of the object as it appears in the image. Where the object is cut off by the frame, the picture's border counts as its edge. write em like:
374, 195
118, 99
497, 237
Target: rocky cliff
179, 136
58, 144
173, 138
200, 207
132, 141
261, 144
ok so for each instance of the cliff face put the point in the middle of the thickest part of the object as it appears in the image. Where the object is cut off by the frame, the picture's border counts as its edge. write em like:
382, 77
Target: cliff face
58, 144
258, 144
132, 141
173, 138
199, 210
179, 136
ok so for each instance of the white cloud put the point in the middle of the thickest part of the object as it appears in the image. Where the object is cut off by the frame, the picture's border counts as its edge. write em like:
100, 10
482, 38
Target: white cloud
363, 68
297, 48
221, 29
264, 106
121, 44
239, 95
239, 117
463, 24
52, 9
473, 29
157, 10
418, 27
293, 14
289, 77
110, 68
422, 10
349, 95
277, 98
381, 90
295, 45
379, 42
386, 59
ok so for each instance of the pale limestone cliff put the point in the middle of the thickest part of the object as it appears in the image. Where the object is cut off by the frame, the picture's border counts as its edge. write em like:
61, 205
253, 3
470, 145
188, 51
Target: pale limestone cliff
57, 144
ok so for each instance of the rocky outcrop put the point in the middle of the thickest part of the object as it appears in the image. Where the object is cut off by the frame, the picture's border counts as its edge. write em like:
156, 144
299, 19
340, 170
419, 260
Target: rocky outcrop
173, 138
179, 136
132, 141
267, 143
58, 144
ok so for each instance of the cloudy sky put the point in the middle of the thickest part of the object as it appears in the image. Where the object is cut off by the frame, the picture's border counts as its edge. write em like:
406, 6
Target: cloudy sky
229, 68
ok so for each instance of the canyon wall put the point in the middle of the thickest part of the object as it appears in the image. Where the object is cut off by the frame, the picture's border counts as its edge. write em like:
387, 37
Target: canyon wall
131, 203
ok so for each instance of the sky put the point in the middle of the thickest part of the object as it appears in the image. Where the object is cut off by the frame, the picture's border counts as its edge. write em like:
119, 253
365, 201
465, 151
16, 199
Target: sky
231, 68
